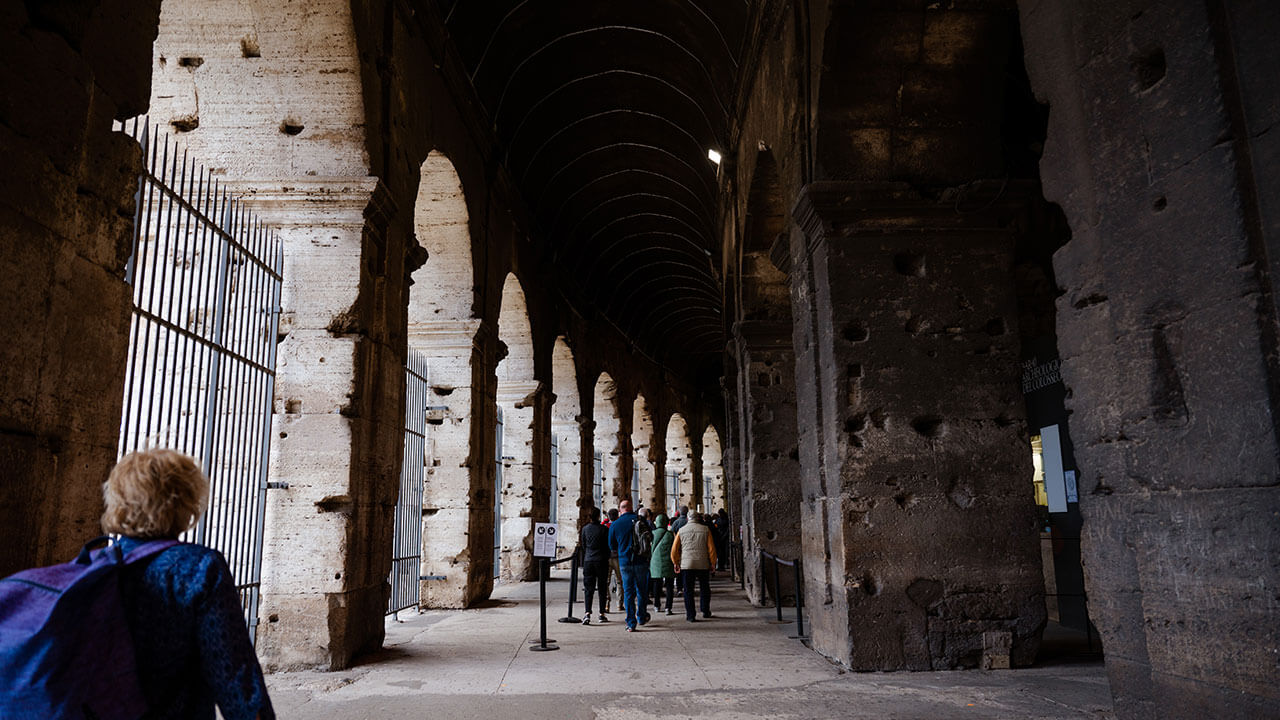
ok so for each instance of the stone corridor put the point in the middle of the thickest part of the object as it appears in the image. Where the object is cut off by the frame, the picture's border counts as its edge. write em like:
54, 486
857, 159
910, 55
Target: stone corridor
966, 308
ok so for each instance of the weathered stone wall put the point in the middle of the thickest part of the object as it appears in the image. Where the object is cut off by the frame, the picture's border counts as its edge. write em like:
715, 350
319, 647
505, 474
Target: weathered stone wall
66, 72
1159, 153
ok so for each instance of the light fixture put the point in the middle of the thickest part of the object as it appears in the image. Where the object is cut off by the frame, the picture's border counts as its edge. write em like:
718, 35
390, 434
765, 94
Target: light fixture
713, 156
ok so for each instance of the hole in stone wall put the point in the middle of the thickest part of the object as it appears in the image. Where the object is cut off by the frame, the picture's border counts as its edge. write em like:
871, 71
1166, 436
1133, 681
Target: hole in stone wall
185, 123
284, 435
915, 325
1159, 204
855, 370
190, 62
1149, 67
878, 418
291, 127
1003, 420
442, 390
930, 426
855, 332
856, 424
273, 618
905, 500
909, 264
249, 46
293, 406
794, 454
995, 327
871, 585
771, 535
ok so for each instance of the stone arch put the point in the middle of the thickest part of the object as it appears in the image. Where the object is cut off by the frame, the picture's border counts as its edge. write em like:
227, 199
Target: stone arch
441, 328
566, 430
645, 487
516, 391
608, 449
714, 496
679, 462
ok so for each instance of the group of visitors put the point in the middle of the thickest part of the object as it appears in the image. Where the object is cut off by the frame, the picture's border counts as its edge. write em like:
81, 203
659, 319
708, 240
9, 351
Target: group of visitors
647, 555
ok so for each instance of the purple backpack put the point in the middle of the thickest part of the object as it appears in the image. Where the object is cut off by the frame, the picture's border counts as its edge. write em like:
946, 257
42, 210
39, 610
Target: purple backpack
65, 648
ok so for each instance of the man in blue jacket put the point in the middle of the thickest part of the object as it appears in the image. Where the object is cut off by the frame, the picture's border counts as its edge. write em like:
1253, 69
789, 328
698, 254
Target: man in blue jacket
634, 566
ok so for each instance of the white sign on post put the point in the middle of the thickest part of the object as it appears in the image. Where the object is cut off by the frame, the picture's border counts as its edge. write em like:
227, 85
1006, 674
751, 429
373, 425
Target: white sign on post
544, 540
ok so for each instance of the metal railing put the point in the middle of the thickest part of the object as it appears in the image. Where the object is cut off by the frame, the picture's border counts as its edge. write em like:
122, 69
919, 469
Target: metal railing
796, 566
406, 553
206, 278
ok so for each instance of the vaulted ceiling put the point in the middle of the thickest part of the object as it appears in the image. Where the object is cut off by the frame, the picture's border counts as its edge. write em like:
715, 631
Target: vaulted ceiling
605, 112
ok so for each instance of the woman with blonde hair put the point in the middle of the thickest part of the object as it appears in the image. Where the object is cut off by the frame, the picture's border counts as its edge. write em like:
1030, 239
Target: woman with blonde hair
190, 639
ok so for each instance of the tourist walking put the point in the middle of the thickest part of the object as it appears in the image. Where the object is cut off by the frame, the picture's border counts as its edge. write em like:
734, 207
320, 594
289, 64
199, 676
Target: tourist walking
615, 574
662, 572
593, 543
694, 553
634, 565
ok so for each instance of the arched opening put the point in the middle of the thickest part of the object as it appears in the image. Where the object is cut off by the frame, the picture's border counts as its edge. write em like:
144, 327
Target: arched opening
644, 485
714, 496
441, 329
607, 461
515, 399
679, 464
566, 443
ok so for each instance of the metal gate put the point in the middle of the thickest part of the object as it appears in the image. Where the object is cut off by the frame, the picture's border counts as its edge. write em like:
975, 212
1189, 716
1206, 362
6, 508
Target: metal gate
673, 490
597, 479
206, 279
708, 495
555, 479
406, 553
497, 500
635, 488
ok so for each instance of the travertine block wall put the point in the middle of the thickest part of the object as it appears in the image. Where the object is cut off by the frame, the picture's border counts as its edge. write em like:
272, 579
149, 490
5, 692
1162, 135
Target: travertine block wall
1161, 153
938, 531
65, 235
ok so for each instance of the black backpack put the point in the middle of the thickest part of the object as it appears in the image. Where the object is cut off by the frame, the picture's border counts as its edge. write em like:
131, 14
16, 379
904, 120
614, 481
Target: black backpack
642, 538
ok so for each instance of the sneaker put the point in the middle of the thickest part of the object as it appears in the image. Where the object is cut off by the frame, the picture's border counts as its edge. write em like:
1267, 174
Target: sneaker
645, 619
603, 618
691, 619
670, 611
586, 620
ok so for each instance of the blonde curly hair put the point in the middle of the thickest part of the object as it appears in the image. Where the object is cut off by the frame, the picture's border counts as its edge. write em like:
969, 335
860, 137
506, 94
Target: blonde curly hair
154, 494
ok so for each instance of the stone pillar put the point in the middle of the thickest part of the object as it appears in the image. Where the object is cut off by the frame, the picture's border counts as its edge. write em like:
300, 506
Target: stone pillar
918, 526
540, 486
448, 548
587, 470
771, 463
338, 407
1161, 151
66, 223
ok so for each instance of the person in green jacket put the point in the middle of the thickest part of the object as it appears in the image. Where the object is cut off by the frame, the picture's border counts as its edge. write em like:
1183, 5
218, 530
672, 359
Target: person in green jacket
662, 572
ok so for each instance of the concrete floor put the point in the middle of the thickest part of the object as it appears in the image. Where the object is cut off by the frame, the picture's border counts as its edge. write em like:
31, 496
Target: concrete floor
476, 664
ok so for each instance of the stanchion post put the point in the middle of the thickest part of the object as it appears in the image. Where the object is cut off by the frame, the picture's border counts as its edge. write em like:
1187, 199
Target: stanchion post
777, 589
543, 566
799, 600
573, 589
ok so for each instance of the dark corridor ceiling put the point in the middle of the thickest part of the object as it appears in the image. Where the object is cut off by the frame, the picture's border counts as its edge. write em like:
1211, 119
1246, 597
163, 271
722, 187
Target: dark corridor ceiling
605, 111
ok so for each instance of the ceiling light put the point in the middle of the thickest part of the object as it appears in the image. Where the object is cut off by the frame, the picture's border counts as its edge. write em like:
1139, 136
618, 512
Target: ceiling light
713, 156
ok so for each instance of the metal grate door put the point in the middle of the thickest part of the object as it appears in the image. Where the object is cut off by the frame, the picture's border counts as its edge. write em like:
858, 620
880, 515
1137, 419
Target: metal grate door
206, 279
497, 500
406, 552
555, 479
597, 479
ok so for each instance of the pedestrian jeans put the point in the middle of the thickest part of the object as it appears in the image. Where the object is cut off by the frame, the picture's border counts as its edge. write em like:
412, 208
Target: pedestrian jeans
595, 577
657, 585
703, 579
635, 583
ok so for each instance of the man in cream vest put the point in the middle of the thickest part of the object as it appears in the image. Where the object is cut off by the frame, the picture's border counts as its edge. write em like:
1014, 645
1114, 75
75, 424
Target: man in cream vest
694, 554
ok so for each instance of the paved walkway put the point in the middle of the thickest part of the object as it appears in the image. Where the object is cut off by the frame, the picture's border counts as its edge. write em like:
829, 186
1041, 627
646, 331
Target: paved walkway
477, 664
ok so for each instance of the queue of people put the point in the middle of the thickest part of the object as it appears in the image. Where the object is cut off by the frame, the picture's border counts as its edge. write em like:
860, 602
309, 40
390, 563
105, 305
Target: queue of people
656, 558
